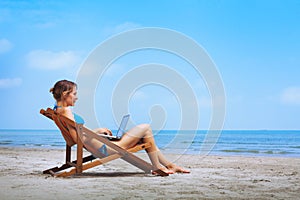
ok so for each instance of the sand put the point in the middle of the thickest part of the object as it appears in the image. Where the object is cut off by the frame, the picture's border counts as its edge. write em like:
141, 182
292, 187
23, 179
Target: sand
211, 177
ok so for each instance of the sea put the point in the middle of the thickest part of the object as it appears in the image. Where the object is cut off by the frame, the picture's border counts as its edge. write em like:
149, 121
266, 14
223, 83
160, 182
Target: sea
269, 143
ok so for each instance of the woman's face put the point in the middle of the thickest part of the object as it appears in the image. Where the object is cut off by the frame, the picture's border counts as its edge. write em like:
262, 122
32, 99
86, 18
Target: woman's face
71, 97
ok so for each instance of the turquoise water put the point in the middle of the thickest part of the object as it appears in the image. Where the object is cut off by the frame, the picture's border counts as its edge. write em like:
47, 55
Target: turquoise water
281, 143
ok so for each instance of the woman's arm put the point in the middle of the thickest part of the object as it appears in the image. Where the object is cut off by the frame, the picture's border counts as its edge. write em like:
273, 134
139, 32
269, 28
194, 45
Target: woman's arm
104, 131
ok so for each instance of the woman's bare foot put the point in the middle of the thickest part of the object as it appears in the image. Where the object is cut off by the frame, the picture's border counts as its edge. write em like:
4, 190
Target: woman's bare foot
163, 169
177, 169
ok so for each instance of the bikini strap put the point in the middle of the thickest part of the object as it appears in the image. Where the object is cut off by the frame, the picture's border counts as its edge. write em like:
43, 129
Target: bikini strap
56, 106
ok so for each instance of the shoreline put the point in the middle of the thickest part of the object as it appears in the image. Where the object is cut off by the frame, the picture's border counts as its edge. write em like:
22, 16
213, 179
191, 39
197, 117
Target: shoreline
211, 177
225, 153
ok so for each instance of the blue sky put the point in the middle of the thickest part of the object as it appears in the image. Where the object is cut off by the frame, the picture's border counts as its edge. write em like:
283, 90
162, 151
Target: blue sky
254, 44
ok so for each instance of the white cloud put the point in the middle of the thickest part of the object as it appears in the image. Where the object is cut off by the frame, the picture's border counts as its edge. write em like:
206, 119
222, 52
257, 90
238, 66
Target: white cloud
291, 95
43, 59
5, 45
10, 82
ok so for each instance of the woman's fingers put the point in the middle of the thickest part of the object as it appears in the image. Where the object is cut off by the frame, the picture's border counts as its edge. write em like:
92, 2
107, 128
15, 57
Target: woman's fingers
107, 131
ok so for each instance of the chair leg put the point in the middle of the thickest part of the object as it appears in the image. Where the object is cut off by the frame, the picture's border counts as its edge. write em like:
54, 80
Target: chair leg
79, 155
68, 153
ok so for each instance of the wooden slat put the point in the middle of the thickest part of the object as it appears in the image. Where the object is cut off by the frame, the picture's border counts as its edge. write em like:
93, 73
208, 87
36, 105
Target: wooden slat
79, 155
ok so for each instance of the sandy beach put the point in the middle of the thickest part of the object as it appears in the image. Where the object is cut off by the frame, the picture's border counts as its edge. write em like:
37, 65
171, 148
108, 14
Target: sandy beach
211, 177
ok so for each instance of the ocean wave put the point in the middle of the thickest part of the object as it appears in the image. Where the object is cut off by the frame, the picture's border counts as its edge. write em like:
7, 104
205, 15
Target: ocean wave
295, 147
255, 151
6, 142
239, 151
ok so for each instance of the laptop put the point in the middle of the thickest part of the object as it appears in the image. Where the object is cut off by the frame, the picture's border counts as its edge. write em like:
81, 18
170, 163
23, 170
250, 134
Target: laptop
121, 130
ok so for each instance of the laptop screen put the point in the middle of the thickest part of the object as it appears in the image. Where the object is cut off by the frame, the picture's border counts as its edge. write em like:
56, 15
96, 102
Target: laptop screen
122, 127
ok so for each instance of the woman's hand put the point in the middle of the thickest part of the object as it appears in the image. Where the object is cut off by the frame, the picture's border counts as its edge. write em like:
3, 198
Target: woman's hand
104, 131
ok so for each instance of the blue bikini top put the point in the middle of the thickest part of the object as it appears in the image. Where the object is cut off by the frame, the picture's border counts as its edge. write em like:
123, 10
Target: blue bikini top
78, 119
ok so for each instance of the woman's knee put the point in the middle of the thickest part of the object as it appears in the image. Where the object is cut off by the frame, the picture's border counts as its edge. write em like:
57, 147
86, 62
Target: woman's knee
144, 127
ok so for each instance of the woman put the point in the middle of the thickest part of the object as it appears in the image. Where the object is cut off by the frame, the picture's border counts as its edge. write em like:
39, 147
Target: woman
65, 94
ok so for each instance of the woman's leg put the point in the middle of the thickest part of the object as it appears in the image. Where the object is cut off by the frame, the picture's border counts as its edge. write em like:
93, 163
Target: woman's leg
143, 132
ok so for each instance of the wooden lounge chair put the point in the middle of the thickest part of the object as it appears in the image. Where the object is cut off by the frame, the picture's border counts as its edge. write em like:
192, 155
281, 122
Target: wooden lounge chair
84, 163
